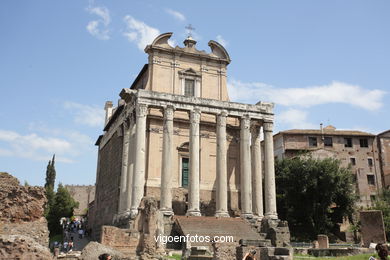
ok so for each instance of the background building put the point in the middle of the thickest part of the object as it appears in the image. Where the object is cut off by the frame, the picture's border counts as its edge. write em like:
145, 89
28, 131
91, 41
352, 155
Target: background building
384, 156
353, 148
83, 194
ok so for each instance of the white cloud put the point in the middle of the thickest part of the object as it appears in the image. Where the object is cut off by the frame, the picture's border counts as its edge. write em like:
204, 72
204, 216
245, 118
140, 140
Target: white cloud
177, 15
222, 41
294, 118
139, 32
44, 141
99, 28
85, 114
33, 146
335, 92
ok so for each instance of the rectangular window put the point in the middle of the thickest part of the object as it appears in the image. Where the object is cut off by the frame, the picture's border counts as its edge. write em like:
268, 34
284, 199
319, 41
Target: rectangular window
371, 179
313, 141
189, 87
184, 172
352, 160
347, 142
370, 162
373, 198
363, 142
328, 141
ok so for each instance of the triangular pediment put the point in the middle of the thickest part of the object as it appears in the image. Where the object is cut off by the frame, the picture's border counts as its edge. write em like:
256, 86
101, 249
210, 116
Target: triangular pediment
189, 71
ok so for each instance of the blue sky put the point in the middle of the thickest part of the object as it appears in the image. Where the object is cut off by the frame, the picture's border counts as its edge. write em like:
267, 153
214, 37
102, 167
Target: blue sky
323, 61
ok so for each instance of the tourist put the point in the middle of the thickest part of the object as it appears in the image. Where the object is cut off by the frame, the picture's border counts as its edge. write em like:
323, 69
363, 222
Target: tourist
105, 257
250, 255
382, 250
81, 232
65, 248
70, 246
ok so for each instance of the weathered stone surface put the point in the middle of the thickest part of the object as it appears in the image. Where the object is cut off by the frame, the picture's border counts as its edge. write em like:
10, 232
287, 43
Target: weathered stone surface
94, 249
323, 241
122, 240
37, 230
225, 251
277, 231
372, 229
22, 247
20, 203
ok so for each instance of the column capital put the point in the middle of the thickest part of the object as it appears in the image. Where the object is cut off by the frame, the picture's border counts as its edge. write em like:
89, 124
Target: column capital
141, 110
268, 126
221, 118
169, 112
195, 116
245, 121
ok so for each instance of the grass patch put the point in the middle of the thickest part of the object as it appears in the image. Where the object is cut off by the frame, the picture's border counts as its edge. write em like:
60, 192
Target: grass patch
354, 257
177, 257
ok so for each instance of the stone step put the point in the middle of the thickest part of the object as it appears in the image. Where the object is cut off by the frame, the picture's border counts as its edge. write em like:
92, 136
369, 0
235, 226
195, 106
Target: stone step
212, 226
200, 257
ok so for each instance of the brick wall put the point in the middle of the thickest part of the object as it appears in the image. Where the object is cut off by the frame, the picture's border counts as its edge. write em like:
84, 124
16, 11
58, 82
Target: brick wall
107, 183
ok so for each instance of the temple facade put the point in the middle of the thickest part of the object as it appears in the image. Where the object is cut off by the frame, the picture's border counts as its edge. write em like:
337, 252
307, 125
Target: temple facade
176, 137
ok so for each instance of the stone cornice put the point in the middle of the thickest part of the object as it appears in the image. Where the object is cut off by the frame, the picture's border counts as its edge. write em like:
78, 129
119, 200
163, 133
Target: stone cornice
260, 111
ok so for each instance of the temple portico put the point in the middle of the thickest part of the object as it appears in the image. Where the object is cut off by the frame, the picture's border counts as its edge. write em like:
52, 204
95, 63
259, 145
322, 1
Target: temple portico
176, 140
252, 118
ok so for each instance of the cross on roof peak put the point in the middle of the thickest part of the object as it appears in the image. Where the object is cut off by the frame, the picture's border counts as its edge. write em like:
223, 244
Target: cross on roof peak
190, 29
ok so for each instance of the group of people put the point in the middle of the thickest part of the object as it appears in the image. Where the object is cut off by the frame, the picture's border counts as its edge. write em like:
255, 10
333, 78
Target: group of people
70, 226
66, 247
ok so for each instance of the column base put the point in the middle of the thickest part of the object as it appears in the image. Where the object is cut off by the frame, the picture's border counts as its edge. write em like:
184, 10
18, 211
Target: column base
258, 218
247, 215
167, 212
222, 214
133, 213
193, 212
271, 215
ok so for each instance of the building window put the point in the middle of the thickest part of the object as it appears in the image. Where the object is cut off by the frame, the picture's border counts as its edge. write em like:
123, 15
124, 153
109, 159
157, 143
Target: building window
363, 142
189, 87
347, 142
313, 141
328, 141
371, 179
184, 171
373, 198
352, 160
370, 162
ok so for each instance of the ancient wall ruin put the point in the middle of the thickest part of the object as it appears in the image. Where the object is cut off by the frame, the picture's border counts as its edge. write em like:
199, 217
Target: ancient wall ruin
23, 229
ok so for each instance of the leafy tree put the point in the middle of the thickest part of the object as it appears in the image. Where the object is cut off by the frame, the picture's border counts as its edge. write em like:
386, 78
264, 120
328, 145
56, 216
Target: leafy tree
313, 195
49, 185
63, 207
383, 204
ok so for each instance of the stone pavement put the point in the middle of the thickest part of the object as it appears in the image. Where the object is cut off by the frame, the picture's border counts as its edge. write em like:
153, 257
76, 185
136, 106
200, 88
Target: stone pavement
79, 244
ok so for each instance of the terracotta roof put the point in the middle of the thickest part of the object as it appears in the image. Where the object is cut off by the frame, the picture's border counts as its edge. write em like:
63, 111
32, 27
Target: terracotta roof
326, 132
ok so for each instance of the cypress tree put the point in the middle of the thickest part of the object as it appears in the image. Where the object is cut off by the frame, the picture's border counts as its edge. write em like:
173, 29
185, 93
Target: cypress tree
49, 185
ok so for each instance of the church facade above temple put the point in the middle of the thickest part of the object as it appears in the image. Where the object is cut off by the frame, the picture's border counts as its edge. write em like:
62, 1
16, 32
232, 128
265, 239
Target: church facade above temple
175, 137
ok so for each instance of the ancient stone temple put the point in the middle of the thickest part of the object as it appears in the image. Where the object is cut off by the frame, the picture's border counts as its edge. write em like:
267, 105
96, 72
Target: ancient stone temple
176, 137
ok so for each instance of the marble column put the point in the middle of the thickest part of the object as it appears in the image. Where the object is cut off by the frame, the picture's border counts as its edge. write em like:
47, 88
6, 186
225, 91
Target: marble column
167, 155
139, 164
130, 164
245, 167
125, 157
222, 192
269, 176
257, 178
193, 189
